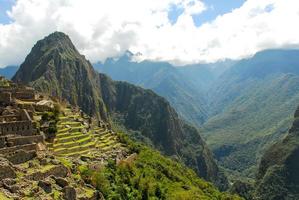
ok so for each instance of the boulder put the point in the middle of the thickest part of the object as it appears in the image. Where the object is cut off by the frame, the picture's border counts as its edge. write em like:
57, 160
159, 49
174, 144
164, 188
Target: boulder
21, 156
69, 193
43, 161
46, 186
6, 169
61, 182
57, 171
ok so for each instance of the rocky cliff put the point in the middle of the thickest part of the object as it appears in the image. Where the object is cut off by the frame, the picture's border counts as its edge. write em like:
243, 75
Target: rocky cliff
56, 67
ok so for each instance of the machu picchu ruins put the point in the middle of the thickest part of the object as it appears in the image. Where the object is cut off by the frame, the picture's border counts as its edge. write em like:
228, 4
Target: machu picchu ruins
40, 136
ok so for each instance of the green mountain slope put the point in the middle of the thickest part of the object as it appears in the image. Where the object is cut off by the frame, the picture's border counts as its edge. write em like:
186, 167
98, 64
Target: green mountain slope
278, 175
54, 66
149, 175
165, 80
252, 104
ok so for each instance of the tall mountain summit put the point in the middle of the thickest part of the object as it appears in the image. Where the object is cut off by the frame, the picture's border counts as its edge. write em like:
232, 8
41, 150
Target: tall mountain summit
55, 66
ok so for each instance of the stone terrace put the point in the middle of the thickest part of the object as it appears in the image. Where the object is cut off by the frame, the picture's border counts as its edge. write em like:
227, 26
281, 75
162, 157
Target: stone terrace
76, 136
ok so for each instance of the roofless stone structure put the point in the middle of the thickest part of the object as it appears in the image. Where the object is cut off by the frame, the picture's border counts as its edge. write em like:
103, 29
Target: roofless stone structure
19, 135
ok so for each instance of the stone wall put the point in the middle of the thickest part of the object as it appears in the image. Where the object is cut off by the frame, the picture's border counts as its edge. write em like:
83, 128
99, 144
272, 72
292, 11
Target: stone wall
21, 156
17, 128
9, 150
15, 141
20, 124
24, 93
9, 118
2, 142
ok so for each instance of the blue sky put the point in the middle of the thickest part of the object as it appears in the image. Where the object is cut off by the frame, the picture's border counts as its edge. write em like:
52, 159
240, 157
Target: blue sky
214, 8
4, 6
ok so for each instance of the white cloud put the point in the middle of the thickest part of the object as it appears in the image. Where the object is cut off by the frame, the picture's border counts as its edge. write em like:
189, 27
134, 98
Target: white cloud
106, 28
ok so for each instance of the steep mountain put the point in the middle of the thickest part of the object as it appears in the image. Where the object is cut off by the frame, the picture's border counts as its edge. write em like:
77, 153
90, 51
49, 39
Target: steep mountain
55, 66
252, 105
8, 71
278, 175
166, 80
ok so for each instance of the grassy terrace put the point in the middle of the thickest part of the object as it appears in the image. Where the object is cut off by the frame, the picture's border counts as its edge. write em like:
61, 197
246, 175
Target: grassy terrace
73, 137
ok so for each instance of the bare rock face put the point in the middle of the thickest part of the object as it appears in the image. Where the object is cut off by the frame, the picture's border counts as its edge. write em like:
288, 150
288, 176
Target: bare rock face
6, 169
69, 193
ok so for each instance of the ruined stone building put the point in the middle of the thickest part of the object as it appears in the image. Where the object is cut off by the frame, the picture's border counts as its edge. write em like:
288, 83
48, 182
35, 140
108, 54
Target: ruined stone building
18, 134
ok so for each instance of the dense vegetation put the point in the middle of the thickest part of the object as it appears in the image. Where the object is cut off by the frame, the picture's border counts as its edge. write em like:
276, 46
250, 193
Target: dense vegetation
149, 176
278, 176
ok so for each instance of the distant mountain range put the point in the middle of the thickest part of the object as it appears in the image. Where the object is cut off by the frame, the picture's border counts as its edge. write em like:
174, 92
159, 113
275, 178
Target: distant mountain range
241, 106
184, 87
252, 104
8, 71
162, 78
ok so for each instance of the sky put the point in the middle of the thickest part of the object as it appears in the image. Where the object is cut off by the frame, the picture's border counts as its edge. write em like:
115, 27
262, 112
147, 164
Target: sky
177, 31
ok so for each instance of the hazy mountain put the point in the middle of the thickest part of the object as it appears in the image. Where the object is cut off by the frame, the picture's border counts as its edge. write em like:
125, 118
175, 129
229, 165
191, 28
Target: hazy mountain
203, 76
185, 96
8, 71
278, 175
55, 66
252, 105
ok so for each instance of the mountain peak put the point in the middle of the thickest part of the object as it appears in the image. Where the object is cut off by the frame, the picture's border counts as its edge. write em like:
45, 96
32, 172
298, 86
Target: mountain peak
54, 66
51, 51
58, 34
57, 41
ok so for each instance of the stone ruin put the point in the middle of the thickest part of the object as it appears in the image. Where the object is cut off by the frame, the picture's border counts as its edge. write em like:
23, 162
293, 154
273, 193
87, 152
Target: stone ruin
18, 135
12, 91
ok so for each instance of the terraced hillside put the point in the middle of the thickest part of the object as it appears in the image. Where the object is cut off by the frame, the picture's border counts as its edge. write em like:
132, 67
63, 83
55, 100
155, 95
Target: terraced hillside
77, 136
